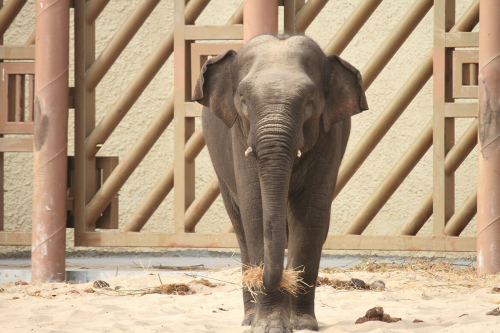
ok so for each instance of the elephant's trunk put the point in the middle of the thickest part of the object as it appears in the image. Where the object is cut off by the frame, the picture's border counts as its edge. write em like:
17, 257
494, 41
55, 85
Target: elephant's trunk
275, 149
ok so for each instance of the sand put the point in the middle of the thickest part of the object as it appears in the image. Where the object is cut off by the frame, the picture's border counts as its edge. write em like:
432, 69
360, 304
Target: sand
444, 305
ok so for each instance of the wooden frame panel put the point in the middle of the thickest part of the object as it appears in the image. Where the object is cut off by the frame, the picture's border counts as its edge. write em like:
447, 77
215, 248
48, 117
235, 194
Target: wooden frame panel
85, 182
184, 177
208, 32
17, 52
20, 145
462, 73
462, 39
336, 242
12, 89
104, 166
443, 128
15, 238
461, 110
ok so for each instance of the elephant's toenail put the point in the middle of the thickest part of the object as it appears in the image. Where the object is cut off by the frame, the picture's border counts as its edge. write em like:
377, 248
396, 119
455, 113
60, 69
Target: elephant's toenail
276, 330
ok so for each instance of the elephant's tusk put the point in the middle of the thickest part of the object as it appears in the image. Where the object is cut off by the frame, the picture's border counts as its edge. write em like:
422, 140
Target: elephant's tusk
299, 153
248, 151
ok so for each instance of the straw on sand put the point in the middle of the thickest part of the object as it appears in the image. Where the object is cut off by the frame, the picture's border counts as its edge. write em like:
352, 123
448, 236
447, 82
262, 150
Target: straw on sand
440, 269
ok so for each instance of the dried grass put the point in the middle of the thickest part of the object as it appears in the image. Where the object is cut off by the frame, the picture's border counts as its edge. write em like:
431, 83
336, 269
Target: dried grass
334, 283
204, 282
442, 270
291, 280
180, 289
176, 289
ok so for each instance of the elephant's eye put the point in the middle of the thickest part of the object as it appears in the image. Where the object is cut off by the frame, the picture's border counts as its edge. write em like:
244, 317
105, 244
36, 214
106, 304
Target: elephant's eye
309, 108
243, 106
310, 105
242, 99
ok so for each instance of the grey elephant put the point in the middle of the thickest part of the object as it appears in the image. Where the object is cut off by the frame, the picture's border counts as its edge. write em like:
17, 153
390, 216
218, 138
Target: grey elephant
276, 123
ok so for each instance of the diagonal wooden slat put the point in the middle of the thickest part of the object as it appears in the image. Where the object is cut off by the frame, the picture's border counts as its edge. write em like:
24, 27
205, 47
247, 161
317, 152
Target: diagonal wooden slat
8, 13
391, 183
125, 168
118, 43
93, 9
138, 84
351, 26
453, 160
397, 105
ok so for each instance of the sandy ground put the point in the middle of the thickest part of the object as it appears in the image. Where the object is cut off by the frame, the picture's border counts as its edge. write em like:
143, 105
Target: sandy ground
443, 304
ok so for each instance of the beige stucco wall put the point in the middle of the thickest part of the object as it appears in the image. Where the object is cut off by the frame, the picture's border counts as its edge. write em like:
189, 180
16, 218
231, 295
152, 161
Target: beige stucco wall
18, 168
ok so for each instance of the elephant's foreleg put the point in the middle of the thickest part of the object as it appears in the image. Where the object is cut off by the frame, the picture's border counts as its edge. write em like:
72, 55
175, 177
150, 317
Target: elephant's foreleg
235, 216
272, 309
308, 229
271, 312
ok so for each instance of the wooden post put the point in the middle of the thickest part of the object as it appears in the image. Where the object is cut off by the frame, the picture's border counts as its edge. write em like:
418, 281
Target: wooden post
184, 191
50, 141
488, 188
259, 17
443, 128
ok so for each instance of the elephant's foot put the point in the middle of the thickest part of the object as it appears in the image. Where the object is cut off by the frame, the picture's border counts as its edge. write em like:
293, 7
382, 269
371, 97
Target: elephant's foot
275, 322
304, 322
248, 318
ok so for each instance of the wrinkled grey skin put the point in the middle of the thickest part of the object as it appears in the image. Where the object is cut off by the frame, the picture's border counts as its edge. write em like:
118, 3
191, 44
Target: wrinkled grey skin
279, 95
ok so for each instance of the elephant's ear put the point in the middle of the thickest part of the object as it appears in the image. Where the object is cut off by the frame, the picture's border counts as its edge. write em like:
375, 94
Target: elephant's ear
345, 95
214, 88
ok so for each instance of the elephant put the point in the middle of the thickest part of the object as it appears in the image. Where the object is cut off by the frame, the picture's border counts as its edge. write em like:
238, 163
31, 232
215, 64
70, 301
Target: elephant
276, 121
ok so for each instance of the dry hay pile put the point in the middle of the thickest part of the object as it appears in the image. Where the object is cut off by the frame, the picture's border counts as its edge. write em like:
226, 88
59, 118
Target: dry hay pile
334, 283
181, 289
443, 271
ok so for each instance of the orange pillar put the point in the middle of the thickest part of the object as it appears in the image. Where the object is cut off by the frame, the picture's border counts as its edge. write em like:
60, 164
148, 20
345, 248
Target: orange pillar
488, 196
259, 17
50, 141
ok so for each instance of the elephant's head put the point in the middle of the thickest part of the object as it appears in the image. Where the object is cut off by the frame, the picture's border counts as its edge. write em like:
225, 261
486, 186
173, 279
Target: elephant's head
281, 93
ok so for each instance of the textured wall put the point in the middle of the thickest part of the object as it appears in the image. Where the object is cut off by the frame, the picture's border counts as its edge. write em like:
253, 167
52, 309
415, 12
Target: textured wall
19, 166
